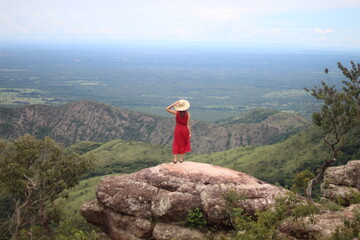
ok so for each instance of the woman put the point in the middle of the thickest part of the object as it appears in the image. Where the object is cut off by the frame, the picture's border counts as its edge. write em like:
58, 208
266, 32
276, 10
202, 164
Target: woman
182, 132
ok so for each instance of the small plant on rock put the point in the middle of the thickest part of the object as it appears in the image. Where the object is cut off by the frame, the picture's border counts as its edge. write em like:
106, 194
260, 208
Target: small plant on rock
196, 219
263, 224
350, 230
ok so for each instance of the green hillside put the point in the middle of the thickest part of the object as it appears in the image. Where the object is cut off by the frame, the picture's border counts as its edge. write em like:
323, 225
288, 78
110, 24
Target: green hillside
254, 116
272, 163
80, 194
119, 156
83, 147
278, 162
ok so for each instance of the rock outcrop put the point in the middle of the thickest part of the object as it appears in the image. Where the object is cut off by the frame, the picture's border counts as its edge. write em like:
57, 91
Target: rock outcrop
342, 183
318, 226
154, 202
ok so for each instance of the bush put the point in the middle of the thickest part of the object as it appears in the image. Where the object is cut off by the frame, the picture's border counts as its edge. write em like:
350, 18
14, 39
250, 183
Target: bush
351, 229
263, 225
34, 173
300, 181
196, 219
71, 228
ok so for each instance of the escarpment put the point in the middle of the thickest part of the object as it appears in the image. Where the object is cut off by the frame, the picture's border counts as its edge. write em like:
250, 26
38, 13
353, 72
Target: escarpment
92, 121
154, 202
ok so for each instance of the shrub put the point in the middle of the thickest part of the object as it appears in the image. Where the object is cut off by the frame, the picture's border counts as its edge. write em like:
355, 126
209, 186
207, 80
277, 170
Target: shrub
350, 230
263, 225
300, 181
196, 219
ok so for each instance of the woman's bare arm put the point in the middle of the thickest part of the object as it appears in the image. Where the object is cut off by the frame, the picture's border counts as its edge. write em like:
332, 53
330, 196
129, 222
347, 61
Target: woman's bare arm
170, 110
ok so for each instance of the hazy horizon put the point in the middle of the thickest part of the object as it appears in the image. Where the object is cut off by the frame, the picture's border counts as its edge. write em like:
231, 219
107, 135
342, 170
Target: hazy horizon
314, 24
220, 80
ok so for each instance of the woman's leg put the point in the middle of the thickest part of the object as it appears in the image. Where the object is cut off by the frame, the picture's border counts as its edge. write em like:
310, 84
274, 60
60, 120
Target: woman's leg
175, 158
182, 157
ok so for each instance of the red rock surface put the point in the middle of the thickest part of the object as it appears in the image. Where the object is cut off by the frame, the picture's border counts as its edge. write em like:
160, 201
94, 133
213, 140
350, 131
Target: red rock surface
166, 193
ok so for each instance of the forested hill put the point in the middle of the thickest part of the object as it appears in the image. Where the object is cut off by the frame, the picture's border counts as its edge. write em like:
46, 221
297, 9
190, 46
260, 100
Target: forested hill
93, 121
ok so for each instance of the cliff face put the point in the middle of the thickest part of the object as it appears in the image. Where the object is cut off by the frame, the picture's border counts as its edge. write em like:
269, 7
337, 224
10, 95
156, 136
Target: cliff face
92, 121
151, 203
154, 203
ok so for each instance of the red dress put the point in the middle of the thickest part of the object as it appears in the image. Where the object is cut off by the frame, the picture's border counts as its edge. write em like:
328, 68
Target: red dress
181, 142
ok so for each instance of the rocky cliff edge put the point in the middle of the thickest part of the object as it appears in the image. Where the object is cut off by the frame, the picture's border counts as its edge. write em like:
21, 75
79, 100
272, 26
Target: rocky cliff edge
154, 202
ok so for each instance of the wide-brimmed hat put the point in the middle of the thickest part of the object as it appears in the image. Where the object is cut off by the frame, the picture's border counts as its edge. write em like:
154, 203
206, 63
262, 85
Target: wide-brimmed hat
182, 105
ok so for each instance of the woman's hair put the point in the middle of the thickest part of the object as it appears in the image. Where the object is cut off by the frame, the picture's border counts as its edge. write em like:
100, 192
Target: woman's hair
182, 113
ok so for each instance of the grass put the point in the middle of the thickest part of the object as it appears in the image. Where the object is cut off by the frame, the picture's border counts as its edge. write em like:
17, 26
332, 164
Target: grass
80, 194
273, 163
279, 162
24, 96
83, 147
129, 152
119, 156
253, 116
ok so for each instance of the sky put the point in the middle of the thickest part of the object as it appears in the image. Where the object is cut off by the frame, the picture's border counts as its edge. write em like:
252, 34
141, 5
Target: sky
316, 23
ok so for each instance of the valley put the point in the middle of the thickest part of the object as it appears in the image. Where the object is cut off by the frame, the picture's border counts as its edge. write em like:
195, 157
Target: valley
250, 112
219, 82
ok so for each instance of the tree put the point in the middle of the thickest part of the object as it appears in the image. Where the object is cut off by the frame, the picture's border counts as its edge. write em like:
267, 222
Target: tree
352, 86
338, 114
33, 174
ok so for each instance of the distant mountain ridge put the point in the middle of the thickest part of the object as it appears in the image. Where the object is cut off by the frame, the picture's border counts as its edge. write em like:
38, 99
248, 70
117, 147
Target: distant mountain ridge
255, 116
93, 121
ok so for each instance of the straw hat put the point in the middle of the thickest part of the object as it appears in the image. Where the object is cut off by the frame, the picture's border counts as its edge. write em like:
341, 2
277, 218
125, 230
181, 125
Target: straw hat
182, 105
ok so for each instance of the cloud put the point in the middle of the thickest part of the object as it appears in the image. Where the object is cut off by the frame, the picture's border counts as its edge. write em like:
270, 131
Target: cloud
323, 31
222, 14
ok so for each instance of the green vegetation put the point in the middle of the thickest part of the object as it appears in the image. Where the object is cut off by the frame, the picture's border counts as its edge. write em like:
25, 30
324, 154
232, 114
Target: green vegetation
83, 147
23, 96
218, 84
68, 228
272, 163
279, 162
196, 219
253, 116
80, 194
301, 180
339, 113
33, 175
350, 230
351, 198
119, 156
292, 93
263, 224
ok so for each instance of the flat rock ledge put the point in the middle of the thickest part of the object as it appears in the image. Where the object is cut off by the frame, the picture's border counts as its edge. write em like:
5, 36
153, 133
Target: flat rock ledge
153, 203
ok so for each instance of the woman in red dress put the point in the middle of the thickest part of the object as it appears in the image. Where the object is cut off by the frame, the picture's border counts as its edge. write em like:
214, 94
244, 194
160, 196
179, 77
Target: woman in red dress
182, 132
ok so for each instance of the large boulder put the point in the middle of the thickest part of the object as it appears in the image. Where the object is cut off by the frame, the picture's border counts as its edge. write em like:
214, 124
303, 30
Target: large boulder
154, 202
319, 226
342, 183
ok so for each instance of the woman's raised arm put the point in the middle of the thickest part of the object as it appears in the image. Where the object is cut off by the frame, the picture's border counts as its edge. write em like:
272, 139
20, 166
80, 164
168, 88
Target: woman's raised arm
169, 108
